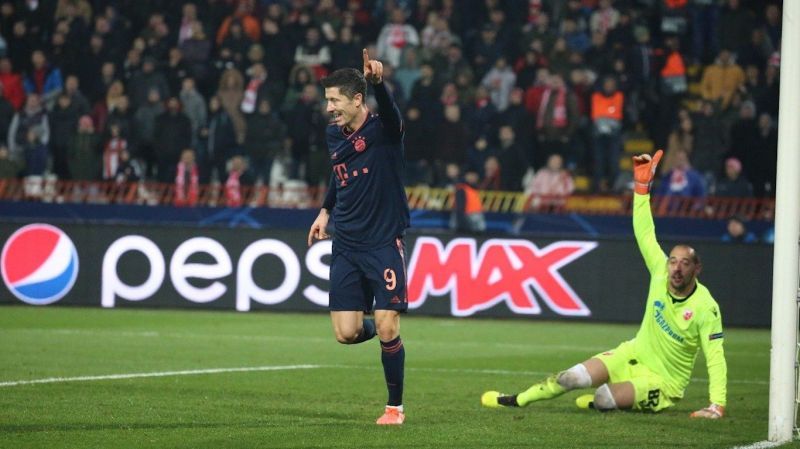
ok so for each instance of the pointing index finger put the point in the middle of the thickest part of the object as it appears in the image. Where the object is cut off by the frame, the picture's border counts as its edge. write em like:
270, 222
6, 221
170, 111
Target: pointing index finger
366, 57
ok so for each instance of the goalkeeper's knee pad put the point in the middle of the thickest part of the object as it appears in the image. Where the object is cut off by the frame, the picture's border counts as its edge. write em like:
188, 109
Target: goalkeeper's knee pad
575, 377
603, 399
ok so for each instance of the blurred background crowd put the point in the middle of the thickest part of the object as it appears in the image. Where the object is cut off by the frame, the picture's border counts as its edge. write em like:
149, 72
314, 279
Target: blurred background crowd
541, 96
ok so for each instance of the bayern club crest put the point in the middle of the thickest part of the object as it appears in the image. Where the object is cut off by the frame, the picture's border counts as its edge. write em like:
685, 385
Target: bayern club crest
687, 315
359, 144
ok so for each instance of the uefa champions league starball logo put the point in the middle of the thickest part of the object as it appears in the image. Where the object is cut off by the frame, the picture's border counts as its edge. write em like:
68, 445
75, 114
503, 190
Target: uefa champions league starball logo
39, 264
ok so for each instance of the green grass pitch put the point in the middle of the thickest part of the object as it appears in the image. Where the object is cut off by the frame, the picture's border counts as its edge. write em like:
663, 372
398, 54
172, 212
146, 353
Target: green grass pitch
306, 390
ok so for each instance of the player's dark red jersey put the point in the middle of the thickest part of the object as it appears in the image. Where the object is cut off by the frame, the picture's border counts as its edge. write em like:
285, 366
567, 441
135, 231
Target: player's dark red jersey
366, 194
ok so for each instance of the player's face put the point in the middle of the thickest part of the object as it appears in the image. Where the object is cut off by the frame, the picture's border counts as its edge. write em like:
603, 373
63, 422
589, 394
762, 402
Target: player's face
683, 269
344, 111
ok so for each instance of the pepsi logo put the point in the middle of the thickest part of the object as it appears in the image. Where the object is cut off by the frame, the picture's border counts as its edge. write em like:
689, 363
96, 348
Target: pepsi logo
39, 264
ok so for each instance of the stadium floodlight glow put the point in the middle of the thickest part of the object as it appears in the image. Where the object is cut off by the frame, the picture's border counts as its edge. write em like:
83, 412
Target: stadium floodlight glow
782, 376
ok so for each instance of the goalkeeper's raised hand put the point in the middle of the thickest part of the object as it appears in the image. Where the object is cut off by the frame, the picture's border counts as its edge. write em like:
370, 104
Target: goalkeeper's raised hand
713, 411
644, 169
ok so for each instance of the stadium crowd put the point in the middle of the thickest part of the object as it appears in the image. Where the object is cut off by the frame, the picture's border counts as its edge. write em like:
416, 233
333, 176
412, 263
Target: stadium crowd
191, 92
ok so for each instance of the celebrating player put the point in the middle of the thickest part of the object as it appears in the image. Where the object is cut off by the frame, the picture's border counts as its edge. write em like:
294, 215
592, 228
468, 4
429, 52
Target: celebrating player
651, 371
370, 212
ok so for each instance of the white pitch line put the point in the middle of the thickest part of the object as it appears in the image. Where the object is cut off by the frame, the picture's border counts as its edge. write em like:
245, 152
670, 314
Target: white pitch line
761, 445
51, 380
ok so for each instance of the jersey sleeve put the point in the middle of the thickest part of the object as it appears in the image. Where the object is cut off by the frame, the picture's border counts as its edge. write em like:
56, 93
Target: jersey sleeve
645, 231
388, 112
711, 338
330, 195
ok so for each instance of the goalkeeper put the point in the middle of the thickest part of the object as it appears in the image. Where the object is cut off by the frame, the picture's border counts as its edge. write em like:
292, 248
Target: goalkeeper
650, 372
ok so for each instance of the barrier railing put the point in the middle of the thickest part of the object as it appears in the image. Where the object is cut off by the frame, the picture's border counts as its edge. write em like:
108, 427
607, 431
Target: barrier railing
423, 198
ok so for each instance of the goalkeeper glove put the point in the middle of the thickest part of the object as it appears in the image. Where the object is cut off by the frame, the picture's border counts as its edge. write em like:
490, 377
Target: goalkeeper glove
644, 169
713, 411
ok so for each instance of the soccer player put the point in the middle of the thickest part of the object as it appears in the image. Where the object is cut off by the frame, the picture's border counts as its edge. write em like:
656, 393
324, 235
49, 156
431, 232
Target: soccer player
650, 372
368, 204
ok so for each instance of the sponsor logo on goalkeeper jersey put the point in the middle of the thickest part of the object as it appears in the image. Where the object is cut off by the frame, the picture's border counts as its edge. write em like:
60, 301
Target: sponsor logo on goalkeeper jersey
662, 322
514, 272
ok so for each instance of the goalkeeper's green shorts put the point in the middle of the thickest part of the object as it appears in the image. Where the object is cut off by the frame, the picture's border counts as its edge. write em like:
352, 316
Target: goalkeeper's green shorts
622, 366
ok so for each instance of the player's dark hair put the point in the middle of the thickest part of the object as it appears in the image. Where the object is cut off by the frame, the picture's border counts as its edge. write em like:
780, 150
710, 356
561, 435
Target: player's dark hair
349, 81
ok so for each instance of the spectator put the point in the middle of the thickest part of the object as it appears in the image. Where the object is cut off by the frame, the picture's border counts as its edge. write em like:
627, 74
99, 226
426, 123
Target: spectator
242, 18
77, 98
682, 180
499, 81
345, 50
607, 116
176, 70
33, 115
9, 168
736, 231
233, 185
145, 80
173, 134
277, 45
512, 158
194, 106
744, 136
485, 50
467, 213
186, 28
763, 158
306, 124
106, 105
492, 179
196, 50
710, 140
735, 24
436, 36
261, 87
722, 79
605, 18
266, 135
144, 120
396, 36
220, 142
127, 170
672, 88
556, 118
115, 145
733, 185
550, 185
35, 151
230, 94
43, 79
417, 148
314, 53
187, 180
63, 126
6, 115
13, 89
680, 140
300, 77
451, 137
83, 153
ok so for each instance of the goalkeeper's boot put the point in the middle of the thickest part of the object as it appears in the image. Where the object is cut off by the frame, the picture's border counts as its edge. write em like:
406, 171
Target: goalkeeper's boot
392, 416
494, 399
585, 401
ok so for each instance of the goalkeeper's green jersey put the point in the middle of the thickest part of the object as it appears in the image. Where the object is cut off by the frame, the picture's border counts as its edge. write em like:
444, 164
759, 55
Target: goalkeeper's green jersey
673, 329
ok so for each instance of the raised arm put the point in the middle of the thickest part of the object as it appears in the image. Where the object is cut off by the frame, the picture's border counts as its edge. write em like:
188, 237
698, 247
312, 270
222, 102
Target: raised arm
388, 112
644, 168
